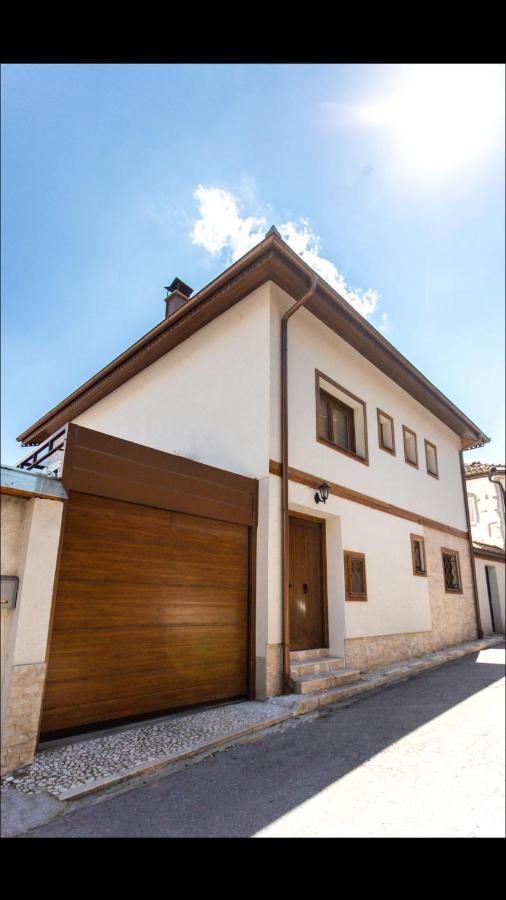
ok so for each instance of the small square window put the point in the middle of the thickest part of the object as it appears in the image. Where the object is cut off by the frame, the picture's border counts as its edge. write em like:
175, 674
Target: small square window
386, 435
410, 447
431, 459
418, 555
354, 576
451, 571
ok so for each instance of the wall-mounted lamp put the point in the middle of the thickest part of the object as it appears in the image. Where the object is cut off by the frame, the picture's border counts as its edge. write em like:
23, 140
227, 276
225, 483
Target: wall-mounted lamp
322, 493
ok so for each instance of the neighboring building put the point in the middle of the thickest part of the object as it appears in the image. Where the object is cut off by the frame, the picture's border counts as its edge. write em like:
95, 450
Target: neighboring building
194, 566
485, 496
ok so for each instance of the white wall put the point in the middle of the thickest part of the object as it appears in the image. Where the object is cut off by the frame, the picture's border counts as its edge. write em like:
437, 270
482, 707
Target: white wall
314, 346
207, 399
490, 528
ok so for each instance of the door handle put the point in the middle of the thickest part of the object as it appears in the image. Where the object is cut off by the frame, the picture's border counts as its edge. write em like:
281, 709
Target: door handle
305, 588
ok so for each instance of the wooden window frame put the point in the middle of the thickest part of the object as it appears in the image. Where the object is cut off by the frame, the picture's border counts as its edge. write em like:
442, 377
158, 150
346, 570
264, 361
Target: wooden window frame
430, 444
332, 401
349, 594
449, 552
405, 431
391, 450
421, 540
321, 440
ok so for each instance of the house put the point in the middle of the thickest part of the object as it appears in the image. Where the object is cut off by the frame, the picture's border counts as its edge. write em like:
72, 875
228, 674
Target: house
261, 494
485, 495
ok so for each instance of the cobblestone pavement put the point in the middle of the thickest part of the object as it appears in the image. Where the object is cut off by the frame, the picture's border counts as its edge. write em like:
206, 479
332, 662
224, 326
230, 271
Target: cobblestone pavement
77, 765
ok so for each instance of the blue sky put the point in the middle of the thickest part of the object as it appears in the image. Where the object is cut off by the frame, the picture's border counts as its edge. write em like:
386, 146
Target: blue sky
389, 179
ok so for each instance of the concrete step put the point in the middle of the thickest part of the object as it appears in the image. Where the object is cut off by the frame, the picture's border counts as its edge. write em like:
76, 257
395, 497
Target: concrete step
297, 655
306, 684
316, 665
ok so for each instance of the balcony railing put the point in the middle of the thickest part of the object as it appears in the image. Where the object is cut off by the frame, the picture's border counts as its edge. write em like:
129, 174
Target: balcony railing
48, 457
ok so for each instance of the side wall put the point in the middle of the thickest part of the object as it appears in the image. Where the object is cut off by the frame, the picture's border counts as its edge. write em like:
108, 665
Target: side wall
30, 540
405, 615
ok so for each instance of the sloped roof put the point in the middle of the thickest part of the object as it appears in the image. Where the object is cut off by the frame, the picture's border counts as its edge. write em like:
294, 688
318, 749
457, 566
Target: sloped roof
477, 469
490, 550
271, 260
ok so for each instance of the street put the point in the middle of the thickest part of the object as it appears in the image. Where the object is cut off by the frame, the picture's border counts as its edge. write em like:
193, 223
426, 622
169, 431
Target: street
422, 758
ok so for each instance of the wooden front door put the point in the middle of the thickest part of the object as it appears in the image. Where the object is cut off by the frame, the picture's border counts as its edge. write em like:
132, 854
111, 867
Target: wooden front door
308, 626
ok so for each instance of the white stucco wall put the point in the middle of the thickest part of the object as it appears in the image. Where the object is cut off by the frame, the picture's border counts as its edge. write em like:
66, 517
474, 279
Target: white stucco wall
490, 527
207, 400
314, 346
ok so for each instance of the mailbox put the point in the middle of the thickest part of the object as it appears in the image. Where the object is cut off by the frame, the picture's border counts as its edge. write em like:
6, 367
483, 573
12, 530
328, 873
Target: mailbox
9, 591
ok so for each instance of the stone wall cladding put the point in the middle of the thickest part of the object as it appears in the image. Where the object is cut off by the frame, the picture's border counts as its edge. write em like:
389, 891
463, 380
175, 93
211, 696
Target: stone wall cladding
453, 615
21, 721
273, 669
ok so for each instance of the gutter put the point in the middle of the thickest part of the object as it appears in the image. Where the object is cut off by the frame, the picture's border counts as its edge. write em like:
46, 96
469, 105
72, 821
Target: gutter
285, 546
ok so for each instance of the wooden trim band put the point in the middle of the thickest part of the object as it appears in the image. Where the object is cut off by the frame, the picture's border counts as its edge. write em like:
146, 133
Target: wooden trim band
338, 490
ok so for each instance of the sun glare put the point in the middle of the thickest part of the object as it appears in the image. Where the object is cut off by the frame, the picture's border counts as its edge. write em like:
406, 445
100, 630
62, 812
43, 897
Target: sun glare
442, 116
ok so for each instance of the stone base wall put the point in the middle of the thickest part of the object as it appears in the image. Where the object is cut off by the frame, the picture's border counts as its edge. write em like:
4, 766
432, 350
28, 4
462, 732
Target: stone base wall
21, 718
372, 652
269, 672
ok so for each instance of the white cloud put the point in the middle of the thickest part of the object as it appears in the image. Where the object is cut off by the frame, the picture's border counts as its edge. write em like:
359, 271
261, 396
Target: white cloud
307, 244
221, 226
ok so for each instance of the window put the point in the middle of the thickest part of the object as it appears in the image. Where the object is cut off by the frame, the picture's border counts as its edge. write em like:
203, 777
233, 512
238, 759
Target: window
354, 576
451, 571
418, 555
431, 458
340, 419
474, 516
410, 447
386, 436
336, 422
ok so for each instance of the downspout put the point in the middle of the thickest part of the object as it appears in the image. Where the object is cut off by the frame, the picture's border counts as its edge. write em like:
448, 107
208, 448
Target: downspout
285, 547
471, 548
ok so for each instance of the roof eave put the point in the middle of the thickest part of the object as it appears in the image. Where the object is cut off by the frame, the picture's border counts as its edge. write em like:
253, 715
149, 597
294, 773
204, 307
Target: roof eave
272, 259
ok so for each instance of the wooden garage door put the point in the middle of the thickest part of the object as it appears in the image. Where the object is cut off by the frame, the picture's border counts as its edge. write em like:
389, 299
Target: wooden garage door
151, 613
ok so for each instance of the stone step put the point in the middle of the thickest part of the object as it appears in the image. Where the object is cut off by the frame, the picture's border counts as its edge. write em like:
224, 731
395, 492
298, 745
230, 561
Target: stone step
297, 655
306, 684
316, 665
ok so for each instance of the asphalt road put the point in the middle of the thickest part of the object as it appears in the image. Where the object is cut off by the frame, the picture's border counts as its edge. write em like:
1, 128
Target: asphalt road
423, 758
